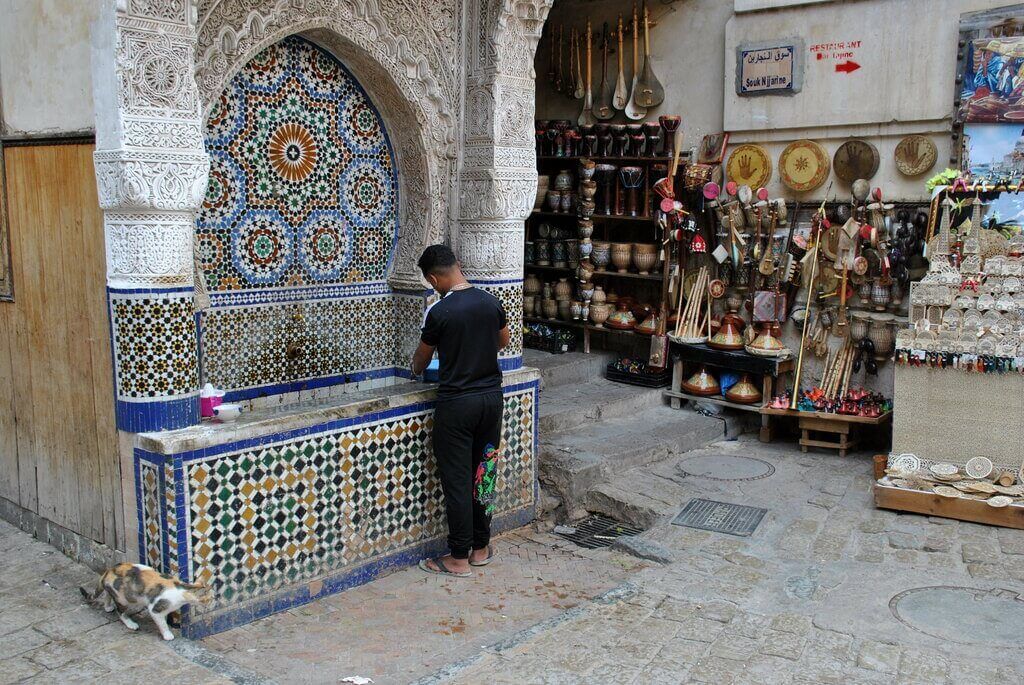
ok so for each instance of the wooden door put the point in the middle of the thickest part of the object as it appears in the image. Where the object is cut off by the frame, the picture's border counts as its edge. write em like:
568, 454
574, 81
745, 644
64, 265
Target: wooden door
58, 442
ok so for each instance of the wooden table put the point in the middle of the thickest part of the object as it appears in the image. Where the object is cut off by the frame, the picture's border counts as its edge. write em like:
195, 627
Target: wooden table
738, 361
843, 425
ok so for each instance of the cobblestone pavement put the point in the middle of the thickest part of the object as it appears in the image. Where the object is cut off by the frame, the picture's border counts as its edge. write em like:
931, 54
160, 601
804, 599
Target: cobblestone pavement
805, 599
826, 590
49, 635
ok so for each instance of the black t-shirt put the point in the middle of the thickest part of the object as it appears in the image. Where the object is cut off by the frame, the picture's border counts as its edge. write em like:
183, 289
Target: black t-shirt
464, 327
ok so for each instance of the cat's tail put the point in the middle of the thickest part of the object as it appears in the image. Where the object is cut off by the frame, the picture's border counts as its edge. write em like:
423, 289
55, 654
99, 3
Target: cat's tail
190, 586
95, 595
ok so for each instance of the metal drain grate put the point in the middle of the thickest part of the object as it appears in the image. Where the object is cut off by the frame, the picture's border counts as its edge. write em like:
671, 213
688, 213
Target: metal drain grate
720, 517
599, 531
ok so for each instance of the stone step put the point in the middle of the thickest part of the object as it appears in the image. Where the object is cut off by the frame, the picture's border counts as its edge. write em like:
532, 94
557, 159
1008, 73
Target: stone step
573, 406
574, 460
570, 368
637, 497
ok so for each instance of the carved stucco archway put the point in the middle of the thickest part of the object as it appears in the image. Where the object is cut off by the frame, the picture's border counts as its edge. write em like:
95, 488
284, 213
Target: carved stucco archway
156, 63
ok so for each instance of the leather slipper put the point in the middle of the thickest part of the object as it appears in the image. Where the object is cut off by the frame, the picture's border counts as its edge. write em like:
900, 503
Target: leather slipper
489, 559
441, 569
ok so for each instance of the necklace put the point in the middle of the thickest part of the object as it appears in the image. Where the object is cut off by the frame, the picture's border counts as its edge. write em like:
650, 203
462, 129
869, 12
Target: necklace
461, 286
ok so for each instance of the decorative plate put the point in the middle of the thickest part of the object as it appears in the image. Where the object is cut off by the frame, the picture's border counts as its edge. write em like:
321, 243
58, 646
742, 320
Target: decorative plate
749, 165
804, 165
980, 487
915, 155
999, 501
946, 491
906, 462
978, 467
855, 159
716, 288
952, 478
943, 469
1014, 490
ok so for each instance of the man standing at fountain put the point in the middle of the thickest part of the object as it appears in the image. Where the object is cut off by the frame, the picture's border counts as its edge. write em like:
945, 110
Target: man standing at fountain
468, 328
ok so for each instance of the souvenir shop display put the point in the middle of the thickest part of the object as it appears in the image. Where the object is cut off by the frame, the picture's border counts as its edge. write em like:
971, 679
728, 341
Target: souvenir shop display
597, 253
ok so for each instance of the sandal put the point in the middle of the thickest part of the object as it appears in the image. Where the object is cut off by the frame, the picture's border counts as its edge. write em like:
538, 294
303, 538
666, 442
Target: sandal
489, 559
441, 569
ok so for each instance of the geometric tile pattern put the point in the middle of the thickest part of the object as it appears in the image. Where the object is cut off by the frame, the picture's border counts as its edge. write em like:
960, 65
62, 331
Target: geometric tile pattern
302, 188
151, 517
298, 226
154, 344
511, 297
408, 320
288, 510
250, 347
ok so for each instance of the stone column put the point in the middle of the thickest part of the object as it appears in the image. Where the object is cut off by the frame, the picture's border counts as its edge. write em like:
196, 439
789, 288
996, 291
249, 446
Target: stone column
151, 173
498, 178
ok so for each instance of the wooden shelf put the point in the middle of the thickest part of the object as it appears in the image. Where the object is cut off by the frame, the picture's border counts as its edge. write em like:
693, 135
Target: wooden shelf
715, 399
554, 322
843, 418
930, 504
596, 217
609, 274
603, 160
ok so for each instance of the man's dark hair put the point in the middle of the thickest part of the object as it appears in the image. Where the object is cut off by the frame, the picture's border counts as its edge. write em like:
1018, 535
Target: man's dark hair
436, 259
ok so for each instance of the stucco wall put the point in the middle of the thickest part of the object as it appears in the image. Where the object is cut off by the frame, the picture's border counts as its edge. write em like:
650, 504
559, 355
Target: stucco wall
687, 53
904, 84
907, 58
45, 78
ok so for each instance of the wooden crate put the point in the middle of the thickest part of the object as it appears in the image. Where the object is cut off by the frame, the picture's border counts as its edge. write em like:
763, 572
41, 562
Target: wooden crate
930, 504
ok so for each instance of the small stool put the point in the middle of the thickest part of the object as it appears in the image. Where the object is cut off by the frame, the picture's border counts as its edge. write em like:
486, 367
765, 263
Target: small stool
844, 430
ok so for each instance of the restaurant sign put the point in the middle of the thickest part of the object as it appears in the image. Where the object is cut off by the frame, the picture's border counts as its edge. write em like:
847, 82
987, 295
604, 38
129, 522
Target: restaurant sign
769, 68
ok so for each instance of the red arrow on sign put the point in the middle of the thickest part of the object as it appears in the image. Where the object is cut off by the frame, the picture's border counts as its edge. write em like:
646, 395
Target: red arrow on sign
848, 66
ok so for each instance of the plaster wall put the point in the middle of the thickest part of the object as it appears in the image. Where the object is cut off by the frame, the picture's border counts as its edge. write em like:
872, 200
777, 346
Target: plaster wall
687, 53
904, 85
45, 73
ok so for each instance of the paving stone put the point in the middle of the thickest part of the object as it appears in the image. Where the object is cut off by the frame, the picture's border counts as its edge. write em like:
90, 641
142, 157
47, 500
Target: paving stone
57, 653
730, 646
16, 669
791, 623
979, 552
699, 629
643, 548
989, 571
723, 612
786, 645
677, 609
682, 650
903, 541
937, 543
21, 641
717, 670
879, 656
661, 674
749, 625
766, 670
923, 665
1011, 541
73, 623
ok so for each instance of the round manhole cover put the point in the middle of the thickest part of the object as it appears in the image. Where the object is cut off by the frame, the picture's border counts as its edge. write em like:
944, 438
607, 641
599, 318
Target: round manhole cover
962, 614
726, 467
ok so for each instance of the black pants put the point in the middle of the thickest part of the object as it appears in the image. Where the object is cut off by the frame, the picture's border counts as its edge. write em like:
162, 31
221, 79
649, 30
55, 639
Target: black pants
463, 428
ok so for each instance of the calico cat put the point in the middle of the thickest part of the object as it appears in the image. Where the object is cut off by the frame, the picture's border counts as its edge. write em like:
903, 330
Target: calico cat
129, 586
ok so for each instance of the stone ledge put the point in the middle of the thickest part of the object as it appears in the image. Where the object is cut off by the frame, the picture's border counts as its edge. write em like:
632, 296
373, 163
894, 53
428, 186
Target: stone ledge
269, 421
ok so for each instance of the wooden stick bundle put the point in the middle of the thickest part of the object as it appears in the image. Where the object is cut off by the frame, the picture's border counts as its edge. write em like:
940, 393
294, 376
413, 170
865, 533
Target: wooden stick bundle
692, 322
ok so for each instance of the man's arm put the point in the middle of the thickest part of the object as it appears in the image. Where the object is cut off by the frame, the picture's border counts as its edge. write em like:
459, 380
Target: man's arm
421, 358
503, 337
